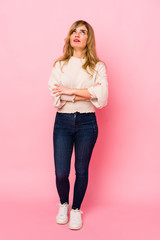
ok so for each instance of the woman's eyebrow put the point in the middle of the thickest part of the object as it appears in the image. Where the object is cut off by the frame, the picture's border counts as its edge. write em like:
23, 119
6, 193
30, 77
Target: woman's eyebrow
81, 30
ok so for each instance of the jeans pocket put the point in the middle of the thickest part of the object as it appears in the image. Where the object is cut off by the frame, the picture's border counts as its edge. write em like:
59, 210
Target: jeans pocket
59, 121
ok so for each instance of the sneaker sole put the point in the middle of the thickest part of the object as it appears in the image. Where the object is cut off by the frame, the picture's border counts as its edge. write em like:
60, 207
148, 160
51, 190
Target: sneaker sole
61, 222
75, 228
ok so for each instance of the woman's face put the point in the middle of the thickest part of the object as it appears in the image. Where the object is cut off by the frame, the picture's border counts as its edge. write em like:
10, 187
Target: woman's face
78, 38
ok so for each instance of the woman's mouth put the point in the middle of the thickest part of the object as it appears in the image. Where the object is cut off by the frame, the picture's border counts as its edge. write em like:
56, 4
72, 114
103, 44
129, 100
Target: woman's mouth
76, 40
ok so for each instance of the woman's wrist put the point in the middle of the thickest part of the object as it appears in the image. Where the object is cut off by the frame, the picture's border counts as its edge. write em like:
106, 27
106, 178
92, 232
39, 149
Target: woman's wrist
73, 91
78, 98
82, 93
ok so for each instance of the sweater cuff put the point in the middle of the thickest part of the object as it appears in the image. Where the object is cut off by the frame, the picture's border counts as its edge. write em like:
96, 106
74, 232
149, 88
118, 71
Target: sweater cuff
69, 98
91, 91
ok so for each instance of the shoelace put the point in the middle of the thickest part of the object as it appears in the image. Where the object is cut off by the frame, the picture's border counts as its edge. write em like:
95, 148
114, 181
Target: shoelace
62, 209
76, 214
77, 210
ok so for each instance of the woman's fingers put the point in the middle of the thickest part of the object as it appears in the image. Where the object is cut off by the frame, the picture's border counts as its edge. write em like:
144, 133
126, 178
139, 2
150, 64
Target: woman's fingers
56, 91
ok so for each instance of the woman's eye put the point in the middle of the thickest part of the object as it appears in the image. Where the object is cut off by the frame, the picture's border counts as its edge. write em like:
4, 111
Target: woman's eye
82, 32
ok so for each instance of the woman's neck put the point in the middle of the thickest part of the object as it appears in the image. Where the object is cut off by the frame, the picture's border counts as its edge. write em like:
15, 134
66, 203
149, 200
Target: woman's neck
78, 54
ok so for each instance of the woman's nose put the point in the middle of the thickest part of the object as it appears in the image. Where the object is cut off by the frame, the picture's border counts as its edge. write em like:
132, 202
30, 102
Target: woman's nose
77, 34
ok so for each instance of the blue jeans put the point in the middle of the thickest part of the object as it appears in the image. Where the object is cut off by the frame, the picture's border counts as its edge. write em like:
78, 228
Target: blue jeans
81, 131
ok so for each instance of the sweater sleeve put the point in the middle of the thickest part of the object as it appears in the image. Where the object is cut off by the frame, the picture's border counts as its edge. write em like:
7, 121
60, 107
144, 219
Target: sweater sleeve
99, 93
58, 101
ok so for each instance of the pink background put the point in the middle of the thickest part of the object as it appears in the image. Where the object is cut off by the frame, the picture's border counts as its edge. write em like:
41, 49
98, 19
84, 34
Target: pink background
123, 195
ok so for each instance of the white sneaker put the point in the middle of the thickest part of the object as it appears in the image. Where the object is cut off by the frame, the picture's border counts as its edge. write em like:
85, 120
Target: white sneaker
75, 219
62, 216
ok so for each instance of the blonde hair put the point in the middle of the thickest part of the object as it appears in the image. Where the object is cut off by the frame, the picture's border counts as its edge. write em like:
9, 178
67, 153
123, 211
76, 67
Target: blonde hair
89, 51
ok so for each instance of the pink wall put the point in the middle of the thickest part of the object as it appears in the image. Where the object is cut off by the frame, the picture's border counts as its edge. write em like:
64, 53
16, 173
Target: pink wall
125, 164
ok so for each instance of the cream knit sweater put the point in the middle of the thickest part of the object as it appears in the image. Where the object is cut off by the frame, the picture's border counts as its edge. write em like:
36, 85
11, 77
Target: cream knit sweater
75, 76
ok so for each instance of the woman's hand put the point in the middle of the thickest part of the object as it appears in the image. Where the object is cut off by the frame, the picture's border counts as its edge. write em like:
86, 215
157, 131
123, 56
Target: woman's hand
60, 89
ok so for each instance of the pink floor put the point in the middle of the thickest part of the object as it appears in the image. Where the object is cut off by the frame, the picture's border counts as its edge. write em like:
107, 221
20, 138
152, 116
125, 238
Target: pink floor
36, 221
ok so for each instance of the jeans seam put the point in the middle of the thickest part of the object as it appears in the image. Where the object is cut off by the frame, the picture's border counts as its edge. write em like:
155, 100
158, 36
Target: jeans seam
94, 124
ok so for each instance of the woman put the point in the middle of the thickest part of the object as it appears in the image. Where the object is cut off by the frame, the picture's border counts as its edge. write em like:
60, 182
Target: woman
78, 84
